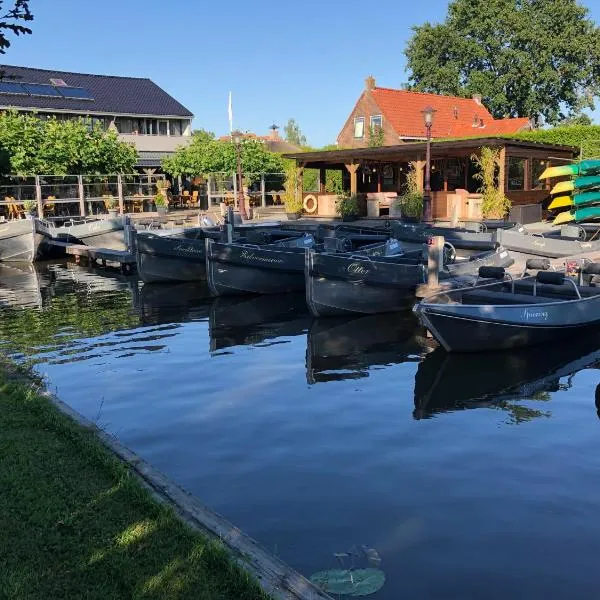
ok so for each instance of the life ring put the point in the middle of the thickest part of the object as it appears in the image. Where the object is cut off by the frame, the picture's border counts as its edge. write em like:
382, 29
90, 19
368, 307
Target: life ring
310, 204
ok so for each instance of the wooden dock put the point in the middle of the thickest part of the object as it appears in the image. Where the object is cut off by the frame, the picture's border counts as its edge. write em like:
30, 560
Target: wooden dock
93, 255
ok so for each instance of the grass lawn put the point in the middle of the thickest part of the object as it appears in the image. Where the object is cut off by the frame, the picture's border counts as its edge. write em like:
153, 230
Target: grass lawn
75, 524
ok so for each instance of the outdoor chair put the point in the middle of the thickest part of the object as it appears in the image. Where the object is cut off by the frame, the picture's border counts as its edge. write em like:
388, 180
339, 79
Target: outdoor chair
16, 211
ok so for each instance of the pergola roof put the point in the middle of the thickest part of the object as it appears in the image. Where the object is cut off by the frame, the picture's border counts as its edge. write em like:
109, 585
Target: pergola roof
416, 150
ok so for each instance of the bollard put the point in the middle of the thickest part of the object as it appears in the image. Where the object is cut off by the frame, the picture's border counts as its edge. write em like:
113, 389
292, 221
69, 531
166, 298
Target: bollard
230, 224
435, 259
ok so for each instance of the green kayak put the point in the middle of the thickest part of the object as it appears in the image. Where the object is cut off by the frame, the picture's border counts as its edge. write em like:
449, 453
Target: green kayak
586, 198
581, 183
589, 213
589, 166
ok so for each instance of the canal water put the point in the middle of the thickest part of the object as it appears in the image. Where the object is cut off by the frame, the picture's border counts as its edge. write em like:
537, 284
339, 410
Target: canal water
337, 444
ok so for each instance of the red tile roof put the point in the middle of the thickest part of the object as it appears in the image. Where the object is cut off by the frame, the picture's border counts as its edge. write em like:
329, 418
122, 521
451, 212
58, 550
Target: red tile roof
455, 117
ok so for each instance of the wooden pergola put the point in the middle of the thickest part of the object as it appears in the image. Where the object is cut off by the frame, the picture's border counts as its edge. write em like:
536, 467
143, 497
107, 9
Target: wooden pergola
529, 158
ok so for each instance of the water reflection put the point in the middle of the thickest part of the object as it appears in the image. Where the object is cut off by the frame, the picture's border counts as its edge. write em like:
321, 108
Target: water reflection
448, 382
164, 303
340, 349
256, 320
23, 285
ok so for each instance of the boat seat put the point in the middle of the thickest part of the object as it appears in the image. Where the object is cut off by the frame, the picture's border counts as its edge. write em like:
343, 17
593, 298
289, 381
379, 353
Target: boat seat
554, 291
490, 297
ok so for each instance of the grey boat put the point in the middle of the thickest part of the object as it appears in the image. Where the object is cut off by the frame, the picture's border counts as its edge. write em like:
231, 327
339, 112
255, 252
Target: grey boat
356, 283
556, 244
102, 233
174, 256
19, 241
503, 315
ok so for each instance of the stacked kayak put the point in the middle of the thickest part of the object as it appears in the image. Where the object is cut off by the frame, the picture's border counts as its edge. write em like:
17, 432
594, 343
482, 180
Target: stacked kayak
578, 198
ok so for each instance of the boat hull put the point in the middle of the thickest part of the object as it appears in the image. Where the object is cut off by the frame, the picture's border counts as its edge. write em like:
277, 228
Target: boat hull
236, 269
344, 285
550, 247
19, 241
102, 233
462, 239
473, 328
170, 259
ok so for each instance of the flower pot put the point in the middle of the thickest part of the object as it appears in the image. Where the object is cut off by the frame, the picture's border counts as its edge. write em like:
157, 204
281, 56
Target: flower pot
348, 218
293, 216
113, 212
162, 210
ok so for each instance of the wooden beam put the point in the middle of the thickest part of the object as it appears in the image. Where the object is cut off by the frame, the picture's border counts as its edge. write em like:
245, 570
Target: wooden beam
300, 181
352, 169
420, 167
502, 182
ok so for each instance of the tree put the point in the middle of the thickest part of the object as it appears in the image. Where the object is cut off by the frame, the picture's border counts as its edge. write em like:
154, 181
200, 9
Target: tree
577, 119
205, 155
293, 134
53, 147
11, 21
528, 58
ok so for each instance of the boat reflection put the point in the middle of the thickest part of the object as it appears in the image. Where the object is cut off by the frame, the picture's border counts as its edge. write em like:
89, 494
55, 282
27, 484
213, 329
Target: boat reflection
24, 285
252, 320
160, 303
447, 382
339, 349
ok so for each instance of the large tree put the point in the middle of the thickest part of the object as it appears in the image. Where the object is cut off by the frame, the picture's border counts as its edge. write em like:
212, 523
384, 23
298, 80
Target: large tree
293, 133
206, 155
528, 58
12, 18
52, 147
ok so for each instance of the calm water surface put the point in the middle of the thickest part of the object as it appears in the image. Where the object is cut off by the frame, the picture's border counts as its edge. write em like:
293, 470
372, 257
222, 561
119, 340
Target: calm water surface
471, 476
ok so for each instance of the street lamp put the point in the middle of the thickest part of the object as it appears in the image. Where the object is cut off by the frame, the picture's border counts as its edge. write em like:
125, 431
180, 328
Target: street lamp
236, 136
428, 114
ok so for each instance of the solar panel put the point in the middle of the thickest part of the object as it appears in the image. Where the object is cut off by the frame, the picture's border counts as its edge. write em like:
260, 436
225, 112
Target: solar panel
76, 93
10, 87
40, 89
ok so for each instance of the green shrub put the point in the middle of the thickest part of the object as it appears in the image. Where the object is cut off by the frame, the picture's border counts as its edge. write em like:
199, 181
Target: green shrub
347, 206
495, 204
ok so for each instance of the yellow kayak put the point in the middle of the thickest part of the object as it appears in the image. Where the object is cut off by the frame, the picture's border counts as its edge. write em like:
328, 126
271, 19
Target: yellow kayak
561, 171
563, 217
561, 202
563, 187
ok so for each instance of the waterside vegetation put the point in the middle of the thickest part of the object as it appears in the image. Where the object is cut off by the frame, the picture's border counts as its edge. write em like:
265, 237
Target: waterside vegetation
76, 523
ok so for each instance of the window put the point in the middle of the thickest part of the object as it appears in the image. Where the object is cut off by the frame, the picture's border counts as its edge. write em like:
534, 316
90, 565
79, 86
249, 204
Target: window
516, 173
163, 128
176, 127
537, 168
359, 127
376, 122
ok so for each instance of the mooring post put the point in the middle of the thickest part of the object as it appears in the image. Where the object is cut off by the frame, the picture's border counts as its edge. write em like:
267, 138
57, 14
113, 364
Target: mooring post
263, 194
38, 197
230, 224
435, 260
81, 194
120, 194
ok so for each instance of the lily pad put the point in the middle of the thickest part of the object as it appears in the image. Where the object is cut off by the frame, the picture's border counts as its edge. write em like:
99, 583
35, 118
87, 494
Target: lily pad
346, 582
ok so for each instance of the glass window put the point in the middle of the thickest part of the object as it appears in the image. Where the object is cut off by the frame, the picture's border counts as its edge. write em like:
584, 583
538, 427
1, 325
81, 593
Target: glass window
176, 127
537, 168
359, 127
516, 173
376, 122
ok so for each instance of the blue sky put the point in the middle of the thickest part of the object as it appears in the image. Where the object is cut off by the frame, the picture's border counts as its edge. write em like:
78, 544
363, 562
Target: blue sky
306, 60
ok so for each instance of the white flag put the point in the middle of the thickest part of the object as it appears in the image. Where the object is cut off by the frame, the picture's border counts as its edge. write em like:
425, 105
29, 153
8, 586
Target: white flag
230, 112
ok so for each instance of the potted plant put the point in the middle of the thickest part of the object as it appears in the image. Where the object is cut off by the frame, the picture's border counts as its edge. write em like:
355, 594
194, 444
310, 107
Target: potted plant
112, 204
291, 199
162, 204
347, 207
29, 206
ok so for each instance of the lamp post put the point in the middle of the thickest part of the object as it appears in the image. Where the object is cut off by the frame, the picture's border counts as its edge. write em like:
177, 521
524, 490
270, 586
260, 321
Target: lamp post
237, 138
428, 114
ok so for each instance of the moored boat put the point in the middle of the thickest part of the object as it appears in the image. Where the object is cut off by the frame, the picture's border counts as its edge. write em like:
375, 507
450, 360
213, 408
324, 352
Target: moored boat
178, 256
464, 239
504, 315
19, 240
343, 284
102, 233
550, 246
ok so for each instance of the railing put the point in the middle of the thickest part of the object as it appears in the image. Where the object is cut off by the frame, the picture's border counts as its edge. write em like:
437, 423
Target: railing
260, 189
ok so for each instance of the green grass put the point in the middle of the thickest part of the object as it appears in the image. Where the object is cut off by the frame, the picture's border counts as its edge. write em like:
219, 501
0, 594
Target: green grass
75, 524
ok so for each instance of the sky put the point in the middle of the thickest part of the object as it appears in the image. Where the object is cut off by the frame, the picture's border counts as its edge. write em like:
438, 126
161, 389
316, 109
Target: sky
280, 59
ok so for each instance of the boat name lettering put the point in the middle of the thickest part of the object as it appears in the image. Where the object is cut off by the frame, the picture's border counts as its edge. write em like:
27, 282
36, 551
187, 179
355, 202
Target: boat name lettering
536, 314
189, 249
357, 269
266, 259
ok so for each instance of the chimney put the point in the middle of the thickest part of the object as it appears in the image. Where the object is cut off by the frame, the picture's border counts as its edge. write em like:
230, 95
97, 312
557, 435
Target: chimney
478, 98
274, 135
370, 83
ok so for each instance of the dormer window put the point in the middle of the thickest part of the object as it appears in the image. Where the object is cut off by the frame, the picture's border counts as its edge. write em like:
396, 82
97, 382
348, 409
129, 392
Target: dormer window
359, 127
376, 122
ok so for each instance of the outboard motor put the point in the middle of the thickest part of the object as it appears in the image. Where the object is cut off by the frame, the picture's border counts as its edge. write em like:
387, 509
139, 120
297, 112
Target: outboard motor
392, 247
